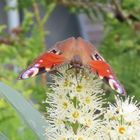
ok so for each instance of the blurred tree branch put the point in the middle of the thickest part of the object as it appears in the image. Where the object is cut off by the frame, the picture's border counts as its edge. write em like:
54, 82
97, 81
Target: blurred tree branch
112, 6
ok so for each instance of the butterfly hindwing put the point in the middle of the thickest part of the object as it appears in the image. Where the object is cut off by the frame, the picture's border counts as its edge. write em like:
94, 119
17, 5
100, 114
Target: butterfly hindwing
56, 56
104, 71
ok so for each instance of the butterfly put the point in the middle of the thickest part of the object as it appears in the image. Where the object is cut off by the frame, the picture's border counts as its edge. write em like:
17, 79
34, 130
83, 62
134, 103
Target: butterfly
76, 52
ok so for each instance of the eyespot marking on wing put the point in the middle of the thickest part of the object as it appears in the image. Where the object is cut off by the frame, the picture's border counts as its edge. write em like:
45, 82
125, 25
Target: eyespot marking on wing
96, 56
55, 51
116, 86
30, 73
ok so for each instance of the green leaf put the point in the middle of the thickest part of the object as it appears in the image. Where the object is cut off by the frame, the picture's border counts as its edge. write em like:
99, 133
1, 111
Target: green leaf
3, 137
30, 115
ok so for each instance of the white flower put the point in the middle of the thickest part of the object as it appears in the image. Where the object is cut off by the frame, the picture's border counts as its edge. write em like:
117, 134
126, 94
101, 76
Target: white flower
58, 134
75, 110
74, 105
83, 134
122, 119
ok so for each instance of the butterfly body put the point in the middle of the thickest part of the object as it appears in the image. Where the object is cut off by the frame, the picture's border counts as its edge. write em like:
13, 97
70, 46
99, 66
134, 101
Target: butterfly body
78, 53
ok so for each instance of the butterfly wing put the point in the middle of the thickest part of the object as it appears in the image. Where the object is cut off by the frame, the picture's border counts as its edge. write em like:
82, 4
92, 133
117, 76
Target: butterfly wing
97, 64
50, 59
42, 64
105, 72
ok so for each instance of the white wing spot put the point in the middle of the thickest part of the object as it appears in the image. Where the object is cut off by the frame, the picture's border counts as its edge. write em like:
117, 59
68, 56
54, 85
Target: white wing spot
41, 60
47, 69
36, 65
107, 71
101, 77
111, 83
94, 57
110, 76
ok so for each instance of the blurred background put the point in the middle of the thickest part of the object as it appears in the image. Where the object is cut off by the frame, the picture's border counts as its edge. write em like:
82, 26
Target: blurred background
29, 27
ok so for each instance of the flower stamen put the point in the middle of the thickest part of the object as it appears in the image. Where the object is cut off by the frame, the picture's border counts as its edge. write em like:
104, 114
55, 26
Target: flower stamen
121, 130
79, 88
75, 114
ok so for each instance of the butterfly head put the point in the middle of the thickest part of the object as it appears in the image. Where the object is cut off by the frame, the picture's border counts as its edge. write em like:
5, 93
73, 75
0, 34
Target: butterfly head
76, 62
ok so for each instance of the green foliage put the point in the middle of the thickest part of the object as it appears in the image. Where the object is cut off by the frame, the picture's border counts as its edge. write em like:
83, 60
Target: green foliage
121, 43
121, 48
11, 125
31, 116
17, 52
3, 137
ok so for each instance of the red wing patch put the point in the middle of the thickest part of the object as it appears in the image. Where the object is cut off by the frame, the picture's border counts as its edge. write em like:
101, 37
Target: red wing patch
42, 64
104, 72
49, 60
101, 68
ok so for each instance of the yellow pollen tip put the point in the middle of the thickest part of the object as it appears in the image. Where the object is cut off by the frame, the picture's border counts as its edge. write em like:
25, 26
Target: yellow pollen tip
66, 83
88, 123
113, 118
63, 138
79, 88
65, 105
80, 138
122, 130
75, 114
87, 100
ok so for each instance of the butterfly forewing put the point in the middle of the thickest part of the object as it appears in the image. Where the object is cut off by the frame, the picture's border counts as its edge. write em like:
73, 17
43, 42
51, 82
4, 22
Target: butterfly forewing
44, 63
